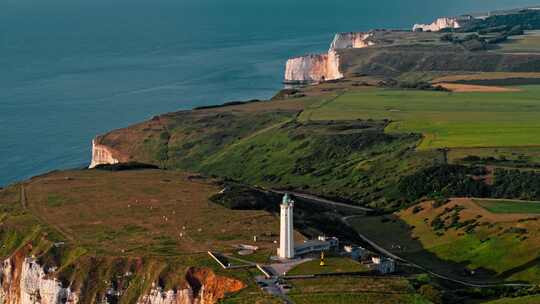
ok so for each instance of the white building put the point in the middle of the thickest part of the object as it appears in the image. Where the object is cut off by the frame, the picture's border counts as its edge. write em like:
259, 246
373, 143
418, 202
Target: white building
322, 243
286, 236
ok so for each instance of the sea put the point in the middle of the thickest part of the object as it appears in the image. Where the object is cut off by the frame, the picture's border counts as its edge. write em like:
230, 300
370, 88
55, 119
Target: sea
72, 69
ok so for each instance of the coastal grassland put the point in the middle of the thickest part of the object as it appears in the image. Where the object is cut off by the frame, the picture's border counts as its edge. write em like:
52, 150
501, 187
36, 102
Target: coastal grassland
355, 160
181, 140
333, 265
509, 206
94, 227
445, 119
144, 212
350, 289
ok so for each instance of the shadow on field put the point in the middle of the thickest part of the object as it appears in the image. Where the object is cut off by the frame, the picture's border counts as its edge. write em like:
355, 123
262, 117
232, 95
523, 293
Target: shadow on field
395, 236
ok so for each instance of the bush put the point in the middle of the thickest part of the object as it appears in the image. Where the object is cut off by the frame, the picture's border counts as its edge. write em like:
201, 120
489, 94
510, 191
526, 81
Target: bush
431, 293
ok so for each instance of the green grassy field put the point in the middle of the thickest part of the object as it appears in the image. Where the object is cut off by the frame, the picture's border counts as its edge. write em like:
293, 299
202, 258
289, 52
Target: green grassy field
445, 119
354, 290
509, 206
333, 265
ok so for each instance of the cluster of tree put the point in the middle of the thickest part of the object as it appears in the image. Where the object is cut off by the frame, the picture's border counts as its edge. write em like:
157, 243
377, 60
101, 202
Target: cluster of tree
527, 19
415, 85
516, 184
456, 180
239, 197
444, 181
226, 104
125, 166
496, 292
474, 42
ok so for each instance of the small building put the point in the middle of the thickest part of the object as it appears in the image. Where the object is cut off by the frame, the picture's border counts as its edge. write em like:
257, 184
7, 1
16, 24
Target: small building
355, 252
322, 243
384, 265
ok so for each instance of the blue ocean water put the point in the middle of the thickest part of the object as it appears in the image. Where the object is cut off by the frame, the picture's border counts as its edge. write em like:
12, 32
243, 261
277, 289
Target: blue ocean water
71, 69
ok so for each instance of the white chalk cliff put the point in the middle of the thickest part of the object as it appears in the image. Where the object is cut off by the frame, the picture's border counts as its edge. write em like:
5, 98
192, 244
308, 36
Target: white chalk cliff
324, 67
27, 283
443, 23
352, 41
313, 68
24, 281
101, 155
158, 296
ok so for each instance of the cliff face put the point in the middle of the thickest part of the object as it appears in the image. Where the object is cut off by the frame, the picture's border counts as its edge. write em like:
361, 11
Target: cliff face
204, 287
102, 155
24, 281
443, 23
313, 68
352, 41
324, 67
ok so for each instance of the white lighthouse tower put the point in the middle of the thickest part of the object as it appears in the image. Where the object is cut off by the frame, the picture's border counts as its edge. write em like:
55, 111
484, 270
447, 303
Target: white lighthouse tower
286, 236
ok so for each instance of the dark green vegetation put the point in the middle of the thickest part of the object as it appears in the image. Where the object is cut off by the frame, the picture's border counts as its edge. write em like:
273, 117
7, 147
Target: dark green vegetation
505, 22
456, 180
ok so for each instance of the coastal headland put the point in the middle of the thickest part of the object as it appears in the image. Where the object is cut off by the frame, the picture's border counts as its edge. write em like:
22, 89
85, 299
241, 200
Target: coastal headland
431, 133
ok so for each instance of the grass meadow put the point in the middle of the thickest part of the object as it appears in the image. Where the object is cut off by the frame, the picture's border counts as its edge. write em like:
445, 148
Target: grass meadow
446, 119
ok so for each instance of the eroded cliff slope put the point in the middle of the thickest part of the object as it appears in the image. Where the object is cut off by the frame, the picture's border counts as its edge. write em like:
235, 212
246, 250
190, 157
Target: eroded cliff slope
324, 67
443, 23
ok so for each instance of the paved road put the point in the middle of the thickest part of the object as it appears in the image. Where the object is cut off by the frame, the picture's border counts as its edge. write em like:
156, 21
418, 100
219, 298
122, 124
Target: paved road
324, 201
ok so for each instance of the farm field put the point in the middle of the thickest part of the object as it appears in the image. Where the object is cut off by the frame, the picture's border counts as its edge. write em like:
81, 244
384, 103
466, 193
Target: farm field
486, 77
503, 119
509, 206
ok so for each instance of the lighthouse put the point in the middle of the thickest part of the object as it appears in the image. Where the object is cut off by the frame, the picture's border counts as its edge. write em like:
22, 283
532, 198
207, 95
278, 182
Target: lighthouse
286, 236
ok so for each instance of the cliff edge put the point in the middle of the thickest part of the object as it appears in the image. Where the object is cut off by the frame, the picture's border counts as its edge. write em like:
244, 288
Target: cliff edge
316, 68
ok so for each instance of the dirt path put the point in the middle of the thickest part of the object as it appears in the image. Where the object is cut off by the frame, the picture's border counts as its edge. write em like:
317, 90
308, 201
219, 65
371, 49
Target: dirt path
23, 197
